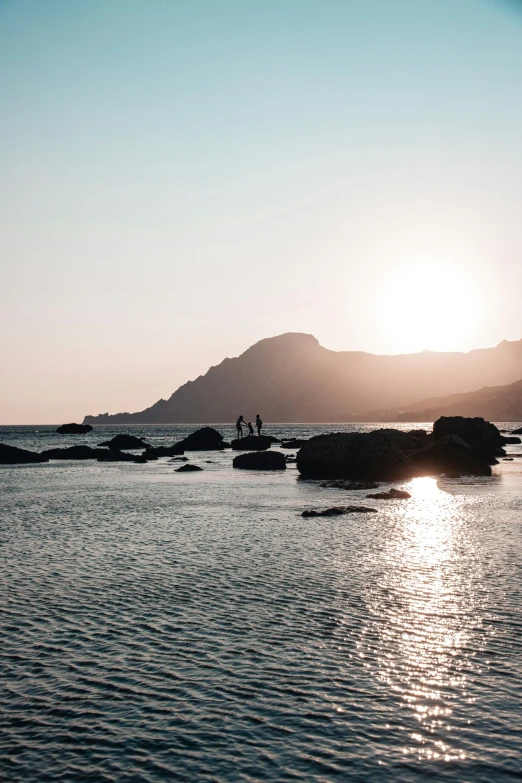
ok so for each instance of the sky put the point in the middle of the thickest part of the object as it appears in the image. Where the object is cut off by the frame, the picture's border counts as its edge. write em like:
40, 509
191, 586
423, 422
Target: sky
182, 178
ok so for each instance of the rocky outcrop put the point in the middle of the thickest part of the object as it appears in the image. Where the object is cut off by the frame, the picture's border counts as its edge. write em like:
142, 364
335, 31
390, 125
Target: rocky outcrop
188, 469
74, 429
452, 454
204, 439
263, 460
113, 455
394, 455
12, 455
75, 452
252, 443
510, 440
125, 441
391, 494
517, 432
338, 511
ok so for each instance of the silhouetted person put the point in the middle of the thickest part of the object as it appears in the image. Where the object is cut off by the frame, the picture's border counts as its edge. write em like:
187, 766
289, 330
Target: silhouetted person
259, 423
250, 429
239, 428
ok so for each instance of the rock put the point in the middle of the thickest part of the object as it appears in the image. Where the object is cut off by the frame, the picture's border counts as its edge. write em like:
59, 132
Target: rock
113, 455
452, 454
392, 494
271, 438
350, 485
141, 460
12, 455
74, 429
252, 443
75, 452
355, 455
508, 440
290, 459
179, 459
148, 456
264, 460
517, 432
205, 439
481, 435
338, 510
188, 469
507, 459
293, 443
125, 442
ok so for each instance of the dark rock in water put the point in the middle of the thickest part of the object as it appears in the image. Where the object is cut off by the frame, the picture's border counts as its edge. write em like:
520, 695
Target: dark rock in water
350, 485
75, 452
507, 459
252, 443
517, 432
12, 455
74, 429
452, 454
271, 438
148, 456
370, 456
179, 459
260, 460
113, 455
125, 442
508, 440
391, 494
293, 443
226, 445
481, 435
141, 460
188, 469
165, 451
205, 439
338, 510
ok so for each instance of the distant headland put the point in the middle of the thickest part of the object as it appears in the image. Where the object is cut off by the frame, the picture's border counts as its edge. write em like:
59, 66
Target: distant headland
292, 378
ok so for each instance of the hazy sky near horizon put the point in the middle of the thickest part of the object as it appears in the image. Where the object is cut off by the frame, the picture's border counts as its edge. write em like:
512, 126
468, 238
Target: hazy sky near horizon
181, 178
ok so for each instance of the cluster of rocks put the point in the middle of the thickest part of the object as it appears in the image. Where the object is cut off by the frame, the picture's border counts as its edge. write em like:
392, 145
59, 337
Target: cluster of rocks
336, 511
457, 445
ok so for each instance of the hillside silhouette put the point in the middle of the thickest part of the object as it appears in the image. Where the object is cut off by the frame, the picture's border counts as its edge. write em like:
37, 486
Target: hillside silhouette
292, 378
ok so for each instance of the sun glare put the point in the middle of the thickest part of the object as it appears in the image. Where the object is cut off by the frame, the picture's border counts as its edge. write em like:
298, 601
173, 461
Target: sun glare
428, 307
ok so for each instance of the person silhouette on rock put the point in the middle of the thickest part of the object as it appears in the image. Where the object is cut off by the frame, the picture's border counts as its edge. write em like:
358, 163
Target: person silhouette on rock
250, 429
259, 424
239, 427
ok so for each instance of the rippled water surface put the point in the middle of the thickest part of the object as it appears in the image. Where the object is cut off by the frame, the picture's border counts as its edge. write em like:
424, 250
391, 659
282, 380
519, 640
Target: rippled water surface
163, 626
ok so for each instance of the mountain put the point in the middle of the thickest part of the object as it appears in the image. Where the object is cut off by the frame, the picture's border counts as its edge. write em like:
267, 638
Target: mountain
495, 403
292, 378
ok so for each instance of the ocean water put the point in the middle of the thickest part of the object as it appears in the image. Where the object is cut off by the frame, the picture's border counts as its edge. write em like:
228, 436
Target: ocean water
159, 626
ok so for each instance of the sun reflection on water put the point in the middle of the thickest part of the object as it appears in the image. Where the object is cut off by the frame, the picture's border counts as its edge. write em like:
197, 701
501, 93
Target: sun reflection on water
421, 618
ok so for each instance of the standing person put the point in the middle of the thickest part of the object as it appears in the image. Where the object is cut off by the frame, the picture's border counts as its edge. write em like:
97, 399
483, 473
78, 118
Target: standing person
259, 424
239, 428
250, 429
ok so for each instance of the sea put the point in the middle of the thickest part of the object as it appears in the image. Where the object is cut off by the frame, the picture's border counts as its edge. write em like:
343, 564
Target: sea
160, 626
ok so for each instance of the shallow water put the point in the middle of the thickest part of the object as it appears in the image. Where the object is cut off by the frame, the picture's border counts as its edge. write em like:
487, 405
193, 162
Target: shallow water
161, 626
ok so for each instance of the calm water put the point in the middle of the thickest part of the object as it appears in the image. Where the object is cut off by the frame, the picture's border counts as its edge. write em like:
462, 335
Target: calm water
161, 626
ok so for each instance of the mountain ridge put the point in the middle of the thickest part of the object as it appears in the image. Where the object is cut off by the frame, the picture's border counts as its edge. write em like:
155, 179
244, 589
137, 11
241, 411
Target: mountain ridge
292, 378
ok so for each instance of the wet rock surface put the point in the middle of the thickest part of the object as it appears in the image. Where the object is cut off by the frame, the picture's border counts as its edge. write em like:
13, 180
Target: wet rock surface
75, 452
188, 469
391, 494
204, 439
350, 485
252, 443
293, 443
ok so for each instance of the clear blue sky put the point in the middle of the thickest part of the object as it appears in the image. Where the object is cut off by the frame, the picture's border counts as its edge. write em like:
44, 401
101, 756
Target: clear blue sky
181, 178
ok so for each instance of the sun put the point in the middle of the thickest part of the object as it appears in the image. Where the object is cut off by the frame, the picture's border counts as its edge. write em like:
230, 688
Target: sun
427, 306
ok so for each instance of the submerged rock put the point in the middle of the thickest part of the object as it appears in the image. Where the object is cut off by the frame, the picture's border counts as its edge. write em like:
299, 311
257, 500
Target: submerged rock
252, 443
260, 460
74, 429
293, 443
204, 439
125, 442
187, 469
338, 510
350, 485
12, 455
391, 494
